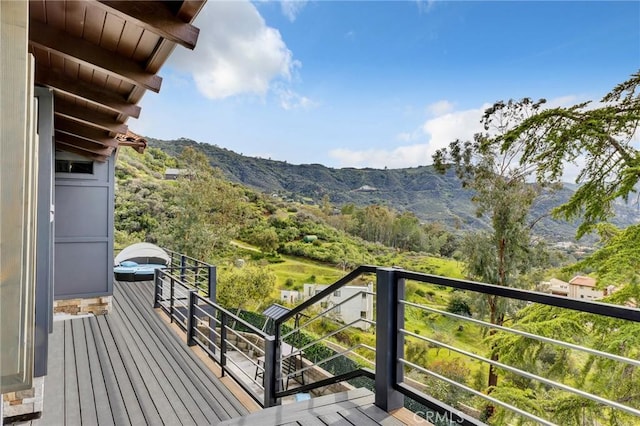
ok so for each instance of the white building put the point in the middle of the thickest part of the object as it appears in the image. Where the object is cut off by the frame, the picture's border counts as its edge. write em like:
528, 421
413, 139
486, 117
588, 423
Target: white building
579, 287
290, 296
351, 302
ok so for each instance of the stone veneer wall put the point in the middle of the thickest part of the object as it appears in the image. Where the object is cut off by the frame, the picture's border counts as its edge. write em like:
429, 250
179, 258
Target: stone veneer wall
24, 404
96, 305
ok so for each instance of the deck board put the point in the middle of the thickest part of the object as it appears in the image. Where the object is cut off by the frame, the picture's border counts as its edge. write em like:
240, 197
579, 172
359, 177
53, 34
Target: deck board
353, 407
200, 376
54, 381
98, 381
88, 414
71, 397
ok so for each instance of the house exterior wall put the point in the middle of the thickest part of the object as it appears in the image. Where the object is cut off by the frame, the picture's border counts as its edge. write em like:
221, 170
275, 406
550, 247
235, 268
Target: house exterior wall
18, 184
84, 231
559, 287
290, 296
360, 306
584, 292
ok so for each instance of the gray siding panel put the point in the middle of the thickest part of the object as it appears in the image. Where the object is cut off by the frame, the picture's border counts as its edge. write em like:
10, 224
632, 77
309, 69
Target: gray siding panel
81, 268
82, 211
84, 232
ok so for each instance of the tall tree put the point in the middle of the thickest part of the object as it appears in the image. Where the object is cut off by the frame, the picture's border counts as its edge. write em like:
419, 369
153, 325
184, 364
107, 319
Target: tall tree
205, 210
502, 195
602, 138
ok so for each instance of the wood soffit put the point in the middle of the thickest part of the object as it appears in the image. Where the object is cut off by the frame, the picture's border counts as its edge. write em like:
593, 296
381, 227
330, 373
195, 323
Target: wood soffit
99, 58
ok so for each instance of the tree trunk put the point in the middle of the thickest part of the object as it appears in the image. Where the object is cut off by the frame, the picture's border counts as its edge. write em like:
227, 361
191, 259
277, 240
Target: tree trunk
498, 319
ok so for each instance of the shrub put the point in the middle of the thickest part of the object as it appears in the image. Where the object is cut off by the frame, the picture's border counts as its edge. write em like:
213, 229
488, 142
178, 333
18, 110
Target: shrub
457, 305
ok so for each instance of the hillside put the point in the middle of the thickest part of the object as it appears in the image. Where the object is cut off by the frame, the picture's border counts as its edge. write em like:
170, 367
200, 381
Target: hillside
421, 190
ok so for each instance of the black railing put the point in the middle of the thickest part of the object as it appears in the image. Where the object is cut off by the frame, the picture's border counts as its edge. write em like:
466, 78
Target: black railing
209, 326
391, 387
213, 328
194, 272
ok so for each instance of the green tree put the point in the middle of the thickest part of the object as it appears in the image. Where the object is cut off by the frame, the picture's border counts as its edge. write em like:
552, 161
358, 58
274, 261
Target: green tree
245, 287
503, 196
267, 239
205, 210
601, 137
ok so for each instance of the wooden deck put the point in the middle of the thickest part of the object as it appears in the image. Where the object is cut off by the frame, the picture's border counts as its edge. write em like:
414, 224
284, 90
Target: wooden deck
130, 368
341, 409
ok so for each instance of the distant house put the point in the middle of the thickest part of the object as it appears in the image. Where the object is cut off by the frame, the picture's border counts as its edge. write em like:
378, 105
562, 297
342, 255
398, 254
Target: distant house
366, 188
290, 296
559, 287
173, 174
352, 302
579, 287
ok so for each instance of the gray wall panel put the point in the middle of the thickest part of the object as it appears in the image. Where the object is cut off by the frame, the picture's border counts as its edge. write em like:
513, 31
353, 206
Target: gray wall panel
81, 211
81, 269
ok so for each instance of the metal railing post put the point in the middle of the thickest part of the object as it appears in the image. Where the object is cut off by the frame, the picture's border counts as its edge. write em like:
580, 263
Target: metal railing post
212, 281
223, 341
270, 380
157, 292
191, 323
389, 342
183, 264
171, 299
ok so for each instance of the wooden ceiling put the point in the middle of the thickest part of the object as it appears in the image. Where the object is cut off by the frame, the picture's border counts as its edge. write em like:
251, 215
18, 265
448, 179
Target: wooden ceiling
100, 57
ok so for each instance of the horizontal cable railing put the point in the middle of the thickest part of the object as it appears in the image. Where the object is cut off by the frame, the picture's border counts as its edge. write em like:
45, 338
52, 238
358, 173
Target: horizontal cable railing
530, 299
211, 327
193, 272
335, 311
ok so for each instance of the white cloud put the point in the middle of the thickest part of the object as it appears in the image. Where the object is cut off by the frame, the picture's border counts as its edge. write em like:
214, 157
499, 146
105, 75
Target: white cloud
290, 100
402, 156
292, 8
440, 107
237, 53
438, 131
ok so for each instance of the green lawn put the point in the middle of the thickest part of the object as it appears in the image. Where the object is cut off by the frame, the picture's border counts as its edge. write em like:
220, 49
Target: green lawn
302, 271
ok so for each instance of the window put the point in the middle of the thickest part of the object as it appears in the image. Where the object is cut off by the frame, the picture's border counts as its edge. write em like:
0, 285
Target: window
364, 295
363, 314
74, 166
324, 305
336, 293
337, 309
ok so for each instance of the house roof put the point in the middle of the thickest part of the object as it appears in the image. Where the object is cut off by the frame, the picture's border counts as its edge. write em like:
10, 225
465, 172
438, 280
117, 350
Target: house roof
99, 58
583, 281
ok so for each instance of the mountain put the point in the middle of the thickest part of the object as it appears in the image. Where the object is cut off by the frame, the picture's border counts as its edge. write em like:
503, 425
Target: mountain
421, 190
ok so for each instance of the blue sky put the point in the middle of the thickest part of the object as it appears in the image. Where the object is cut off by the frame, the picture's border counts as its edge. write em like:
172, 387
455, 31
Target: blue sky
380, 84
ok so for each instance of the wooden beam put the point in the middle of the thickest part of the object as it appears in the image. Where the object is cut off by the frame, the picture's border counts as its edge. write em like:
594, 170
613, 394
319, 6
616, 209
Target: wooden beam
96, 119
84, 52
156, 17
70, 148
81, 89
84, 144
99, 136
189, 9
